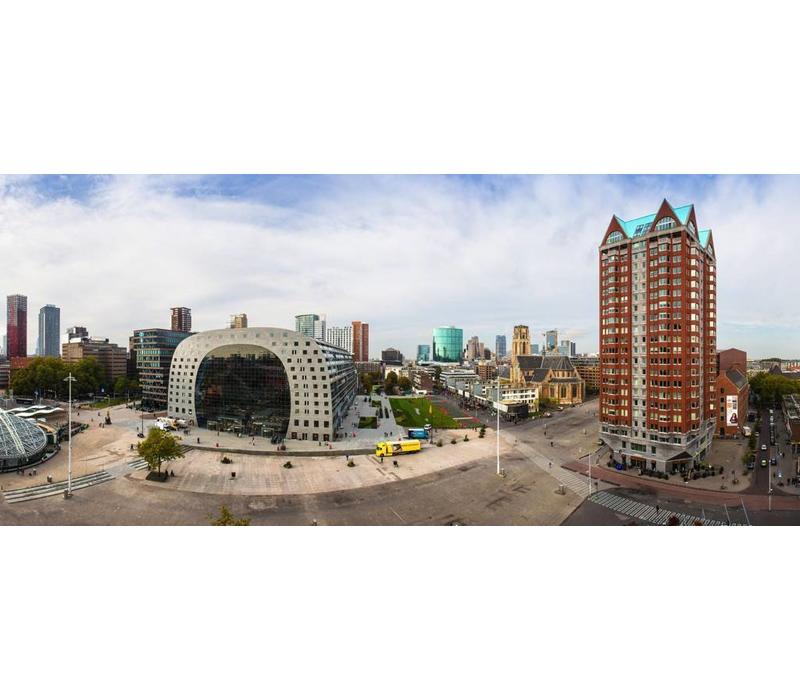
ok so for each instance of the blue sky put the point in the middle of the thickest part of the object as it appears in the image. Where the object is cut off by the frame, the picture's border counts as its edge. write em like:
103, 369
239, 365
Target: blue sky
405, 253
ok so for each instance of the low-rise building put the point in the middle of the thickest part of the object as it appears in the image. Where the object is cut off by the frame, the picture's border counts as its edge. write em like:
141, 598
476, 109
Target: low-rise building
486, 371
734, 400
791, 414
111, 357
588, 368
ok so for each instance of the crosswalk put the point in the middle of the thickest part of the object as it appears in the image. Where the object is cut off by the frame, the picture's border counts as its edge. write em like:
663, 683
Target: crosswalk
57, 488
574, 482
642, 511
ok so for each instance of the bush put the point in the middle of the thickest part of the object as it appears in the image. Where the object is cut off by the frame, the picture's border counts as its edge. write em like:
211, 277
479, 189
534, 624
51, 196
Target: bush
226, 460
453, 441
439, 442
466, 438
673, 520
351, 463
287, 465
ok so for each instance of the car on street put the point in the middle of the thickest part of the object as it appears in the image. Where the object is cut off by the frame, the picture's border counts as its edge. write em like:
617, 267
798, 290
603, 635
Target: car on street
548, 415
773, 462
763, 448
763, 462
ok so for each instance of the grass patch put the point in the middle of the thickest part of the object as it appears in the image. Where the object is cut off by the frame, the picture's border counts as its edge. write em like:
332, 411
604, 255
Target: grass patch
367, 422
105, 403
415, 413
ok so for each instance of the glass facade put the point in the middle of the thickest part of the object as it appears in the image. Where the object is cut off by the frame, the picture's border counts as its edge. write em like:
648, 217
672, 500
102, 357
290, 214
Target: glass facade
423, 353
243, 388
448, 343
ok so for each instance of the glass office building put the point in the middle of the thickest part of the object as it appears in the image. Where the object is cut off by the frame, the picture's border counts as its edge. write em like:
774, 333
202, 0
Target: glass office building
423, 353
448, 344
243, 389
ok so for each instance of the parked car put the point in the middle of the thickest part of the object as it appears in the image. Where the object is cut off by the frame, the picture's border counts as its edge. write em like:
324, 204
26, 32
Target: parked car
763, 462
773, 462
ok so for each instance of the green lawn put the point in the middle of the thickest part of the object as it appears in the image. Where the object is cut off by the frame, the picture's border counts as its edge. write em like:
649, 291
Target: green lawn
367, 422
415, 413
105, 403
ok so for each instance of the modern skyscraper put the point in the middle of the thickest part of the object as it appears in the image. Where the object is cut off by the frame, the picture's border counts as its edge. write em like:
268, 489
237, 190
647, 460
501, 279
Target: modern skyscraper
474, 349
360, 341
341, 337
448, 344
312, 325
658, 339
238, 321
181, 319
535, 349
151, 352
17, 326
566, 348
500, 346
423, 353
550, 340
49, 341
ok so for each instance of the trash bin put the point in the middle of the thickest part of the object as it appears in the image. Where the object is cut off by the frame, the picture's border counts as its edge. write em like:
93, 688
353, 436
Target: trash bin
233, 475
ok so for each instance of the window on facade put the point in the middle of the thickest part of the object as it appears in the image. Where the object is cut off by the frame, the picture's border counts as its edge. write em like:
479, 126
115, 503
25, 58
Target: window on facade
665, 223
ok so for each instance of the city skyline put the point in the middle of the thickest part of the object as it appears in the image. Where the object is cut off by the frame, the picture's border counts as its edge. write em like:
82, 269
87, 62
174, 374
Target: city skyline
237, 222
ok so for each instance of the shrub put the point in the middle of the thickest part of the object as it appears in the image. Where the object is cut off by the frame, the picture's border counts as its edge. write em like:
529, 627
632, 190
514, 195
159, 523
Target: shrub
287, 465
453, 441
439, 442
673, 520
351, 463
466, 438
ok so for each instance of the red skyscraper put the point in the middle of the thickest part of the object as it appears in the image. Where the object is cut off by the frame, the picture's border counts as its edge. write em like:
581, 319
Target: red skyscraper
360, 341
658, 337
17, 327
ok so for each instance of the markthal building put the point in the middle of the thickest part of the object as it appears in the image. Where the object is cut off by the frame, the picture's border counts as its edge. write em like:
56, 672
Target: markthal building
21, 442
267, 382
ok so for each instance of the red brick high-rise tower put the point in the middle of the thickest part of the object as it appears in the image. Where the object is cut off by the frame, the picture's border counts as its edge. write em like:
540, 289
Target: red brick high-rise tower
360, 341
658, 323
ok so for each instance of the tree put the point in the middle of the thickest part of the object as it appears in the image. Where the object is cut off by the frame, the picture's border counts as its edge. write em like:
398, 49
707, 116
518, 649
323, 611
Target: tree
159, 447
390, 382
404, 383
226, 518
121, 386
366, 383
89, 376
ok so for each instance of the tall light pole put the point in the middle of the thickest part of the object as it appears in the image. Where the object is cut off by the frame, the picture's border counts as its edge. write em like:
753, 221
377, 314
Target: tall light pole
499, 473
69, 379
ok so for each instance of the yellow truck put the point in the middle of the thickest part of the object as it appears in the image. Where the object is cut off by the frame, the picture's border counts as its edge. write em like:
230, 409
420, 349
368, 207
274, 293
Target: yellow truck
397, 447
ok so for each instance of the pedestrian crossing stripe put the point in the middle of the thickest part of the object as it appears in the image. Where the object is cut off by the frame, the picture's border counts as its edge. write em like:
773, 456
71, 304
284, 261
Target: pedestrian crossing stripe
648, 513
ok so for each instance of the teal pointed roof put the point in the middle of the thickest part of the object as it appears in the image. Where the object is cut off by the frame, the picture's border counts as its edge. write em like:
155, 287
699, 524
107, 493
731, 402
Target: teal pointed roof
704, 236
640, 225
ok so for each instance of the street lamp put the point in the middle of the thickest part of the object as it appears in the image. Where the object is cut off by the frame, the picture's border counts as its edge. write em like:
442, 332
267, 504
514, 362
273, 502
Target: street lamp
69, 379
499, 473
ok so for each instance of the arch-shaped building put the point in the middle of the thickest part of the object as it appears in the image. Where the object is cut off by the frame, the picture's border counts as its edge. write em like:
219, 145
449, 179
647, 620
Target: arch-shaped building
262, 381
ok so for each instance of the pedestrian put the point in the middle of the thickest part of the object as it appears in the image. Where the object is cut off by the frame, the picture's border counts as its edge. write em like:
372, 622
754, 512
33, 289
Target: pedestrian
198, 441
657, 508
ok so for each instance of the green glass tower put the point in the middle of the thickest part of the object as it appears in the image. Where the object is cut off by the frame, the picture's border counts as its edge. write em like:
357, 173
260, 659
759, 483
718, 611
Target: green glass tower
448, 343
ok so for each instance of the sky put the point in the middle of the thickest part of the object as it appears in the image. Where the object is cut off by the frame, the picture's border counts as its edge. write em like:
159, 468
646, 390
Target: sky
403, 253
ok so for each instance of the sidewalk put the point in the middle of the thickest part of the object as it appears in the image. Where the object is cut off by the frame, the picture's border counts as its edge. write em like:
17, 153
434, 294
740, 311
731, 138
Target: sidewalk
628, 480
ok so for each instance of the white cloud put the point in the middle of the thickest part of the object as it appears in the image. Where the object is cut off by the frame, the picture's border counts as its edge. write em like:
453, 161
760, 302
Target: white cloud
403, 253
